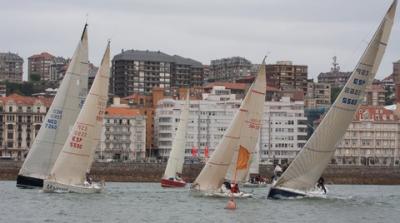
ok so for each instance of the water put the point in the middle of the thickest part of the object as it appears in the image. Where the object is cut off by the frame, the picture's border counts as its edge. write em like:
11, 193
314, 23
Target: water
147, 202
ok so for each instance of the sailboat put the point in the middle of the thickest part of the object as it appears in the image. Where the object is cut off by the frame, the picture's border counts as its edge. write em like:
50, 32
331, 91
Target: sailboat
70, 170
253, 178
61, 115
173, 171
234, 151
306, 169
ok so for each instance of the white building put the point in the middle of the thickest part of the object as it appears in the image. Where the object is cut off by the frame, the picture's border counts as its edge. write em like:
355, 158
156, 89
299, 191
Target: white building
123, 135
372, 139
210, 117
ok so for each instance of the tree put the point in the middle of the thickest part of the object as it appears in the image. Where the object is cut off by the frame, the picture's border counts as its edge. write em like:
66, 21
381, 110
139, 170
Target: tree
334, 93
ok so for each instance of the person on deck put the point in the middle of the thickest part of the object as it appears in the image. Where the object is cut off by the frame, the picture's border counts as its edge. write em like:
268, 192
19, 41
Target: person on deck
88, 178
277, 172
321, 184
235, 188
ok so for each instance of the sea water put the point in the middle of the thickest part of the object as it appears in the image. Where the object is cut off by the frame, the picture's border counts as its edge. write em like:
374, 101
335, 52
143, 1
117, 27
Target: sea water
148, 202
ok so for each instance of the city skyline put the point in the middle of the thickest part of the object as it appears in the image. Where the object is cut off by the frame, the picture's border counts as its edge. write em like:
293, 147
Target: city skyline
308, 33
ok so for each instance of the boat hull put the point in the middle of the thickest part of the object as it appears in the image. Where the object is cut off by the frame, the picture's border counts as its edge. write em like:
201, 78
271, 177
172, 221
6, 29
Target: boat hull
172, 183
25, 182
284, 193
52, 186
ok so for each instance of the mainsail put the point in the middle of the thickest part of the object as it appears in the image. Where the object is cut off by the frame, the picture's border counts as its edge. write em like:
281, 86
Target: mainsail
76, 155
60, 117
307, 167
177, 154
238, 141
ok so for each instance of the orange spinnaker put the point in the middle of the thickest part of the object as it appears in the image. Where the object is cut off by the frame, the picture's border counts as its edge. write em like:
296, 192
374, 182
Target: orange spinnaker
243, 158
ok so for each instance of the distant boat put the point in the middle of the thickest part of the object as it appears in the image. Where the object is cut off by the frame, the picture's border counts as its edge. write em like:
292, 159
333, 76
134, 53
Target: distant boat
70, 171
173, 171
238, 143
306, 169
253, 178
62, 114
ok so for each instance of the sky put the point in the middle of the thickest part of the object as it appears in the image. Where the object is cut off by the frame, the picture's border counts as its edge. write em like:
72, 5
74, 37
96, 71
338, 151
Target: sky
307, 32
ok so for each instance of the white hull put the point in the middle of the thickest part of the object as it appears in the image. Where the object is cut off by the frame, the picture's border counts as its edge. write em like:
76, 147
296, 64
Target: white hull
52, 186
219, 194
256, 185
288, 193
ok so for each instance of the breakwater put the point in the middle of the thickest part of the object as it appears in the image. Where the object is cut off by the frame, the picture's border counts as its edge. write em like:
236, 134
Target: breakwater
152, 172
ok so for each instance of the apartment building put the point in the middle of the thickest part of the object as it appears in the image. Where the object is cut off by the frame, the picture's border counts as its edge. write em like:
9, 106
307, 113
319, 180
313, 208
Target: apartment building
282, 136
11, 67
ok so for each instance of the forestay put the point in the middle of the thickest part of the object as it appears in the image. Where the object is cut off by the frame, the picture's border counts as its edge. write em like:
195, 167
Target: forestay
75, 158
308, 166
242, 135
61, 115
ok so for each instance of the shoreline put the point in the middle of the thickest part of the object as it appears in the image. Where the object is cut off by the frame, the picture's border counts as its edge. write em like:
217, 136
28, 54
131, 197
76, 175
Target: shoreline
152, 172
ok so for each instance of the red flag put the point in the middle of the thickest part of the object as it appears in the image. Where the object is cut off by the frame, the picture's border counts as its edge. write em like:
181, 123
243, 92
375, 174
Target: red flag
194, 151
206, 152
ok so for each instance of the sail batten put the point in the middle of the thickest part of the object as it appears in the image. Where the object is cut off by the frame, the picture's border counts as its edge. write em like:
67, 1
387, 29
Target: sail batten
307, 167
63, 111
231, 158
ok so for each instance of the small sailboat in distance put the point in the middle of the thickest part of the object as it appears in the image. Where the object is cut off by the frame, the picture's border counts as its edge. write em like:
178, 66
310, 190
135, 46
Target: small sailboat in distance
253, 178
306, 169
70, 171
238, 143
173, 171
61, 115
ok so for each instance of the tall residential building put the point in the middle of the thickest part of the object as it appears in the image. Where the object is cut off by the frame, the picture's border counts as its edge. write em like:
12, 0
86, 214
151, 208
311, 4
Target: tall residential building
39, 66
58, 68
372, 139
123, 135
335, 77
396, 78
20, 121
229, 69
11, 67
318, 95
282, 136
138, 72
287, 76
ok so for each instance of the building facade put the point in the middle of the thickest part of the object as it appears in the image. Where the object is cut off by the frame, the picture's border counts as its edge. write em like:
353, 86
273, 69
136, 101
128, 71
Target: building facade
282, 136
20, 121
11, 67
229, 69
123, 136
287, 76
39, 66
58, 68
318, 95
135, 71
374, 95
372, 139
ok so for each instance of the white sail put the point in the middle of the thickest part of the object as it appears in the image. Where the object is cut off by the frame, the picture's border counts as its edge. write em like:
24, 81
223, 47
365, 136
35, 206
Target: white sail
177, 154
76, 155
312, 160
62, 114
242, 134
255, 160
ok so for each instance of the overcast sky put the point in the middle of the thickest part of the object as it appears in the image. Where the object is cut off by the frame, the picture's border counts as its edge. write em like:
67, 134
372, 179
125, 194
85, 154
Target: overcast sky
307, 32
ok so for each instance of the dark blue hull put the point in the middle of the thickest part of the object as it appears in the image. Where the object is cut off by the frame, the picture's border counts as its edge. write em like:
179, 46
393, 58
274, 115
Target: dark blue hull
25, 182
278, 193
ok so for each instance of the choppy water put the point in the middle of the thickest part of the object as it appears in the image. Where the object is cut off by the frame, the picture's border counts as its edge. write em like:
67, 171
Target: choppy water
147, 202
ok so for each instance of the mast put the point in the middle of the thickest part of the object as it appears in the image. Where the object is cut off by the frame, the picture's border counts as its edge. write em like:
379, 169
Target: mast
312, 160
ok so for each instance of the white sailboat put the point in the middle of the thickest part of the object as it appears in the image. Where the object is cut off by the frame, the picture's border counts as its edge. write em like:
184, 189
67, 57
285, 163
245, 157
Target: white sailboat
238, 143
173, 171
60, 117
303, 173
76, 156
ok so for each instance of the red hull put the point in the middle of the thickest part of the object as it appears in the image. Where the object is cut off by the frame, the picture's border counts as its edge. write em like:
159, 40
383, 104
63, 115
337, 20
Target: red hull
172, 183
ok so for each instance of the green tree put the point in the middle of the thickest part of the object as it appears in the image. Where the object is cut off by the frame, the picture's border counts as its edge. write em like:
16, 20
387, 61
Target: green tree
334, 93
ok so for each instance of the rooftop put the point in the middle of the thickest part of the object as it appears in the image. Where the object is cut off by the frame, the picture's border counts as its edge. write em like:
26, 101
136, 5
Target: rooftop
44, 55
25, 100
